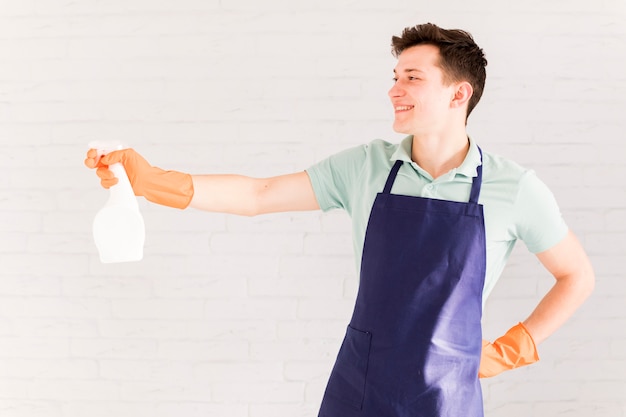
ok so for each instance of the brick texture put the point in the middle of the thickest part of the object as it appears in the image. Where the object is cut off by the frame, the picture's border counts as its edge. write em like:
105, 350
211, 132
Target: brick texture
242, 317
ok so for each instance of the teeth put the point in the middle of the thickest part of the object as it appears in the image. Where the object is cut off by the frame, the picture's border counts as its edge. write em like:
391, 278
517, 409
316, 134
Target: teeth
402, 108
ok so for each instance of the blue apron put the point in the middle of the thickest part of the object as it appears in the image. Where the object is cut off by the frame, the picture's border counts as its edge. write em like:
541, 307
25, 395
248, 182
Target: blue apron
412, 348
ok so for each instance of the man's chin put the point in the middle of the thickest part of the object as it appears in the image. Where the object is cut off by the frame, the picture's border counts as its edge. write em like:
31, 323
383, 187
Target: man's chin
400, 129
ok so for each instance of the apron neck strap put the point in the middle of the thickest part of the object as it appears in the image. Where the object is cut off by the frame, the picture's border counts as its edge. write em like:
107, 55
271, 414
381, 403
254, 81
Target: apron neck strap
392, 176
477, 181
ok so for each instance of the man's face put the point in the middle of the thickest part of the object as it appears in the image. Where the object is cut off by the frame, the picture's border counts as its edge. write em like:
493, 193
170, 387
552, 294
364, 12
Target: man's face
419, 96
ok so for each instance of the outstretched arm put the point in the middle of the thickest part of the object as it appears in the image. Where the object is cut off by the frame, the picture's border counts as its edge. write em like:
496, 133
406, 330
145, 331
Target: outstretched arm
234, 194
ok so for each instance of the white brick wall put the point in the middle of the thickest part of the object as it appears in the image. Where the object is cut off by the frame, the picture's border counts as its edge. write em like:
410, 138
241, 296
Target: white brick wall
242, 317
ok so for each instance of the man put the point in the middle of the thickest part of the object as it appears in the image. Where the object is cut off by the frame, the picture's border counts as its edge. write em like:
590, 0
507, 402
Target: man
434, 220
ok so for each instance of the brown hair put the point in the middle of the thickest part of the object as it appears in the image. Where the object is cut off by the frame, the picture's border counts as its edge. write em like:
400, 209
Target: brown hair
460, 58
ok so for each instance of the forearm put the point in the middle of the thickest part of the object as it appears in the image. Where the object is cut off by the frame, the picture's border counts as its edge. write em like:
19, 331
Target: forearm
574, 276
235, 194
574, 283
558, 305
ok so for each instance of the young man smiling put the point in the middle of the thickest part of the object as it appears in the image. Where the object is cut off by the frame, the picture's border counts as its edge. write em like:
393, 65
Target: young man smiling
434, 221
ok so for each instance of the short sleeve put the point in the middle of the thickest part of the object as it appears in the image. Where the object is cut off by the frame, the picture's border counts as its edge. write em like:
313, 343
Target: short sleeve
334, 178
539, 223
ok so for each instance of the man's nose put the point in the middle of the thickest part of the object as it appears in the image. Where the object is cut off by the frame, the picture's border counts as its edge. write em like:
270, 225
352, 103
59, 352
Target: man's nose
396, 90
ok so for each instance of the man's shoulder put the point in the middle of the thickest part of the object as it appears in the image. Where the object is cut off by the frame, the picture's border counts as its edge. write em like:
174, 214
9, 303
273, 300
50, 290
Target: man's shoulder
375, 152
510, 181
381, 145
498, 168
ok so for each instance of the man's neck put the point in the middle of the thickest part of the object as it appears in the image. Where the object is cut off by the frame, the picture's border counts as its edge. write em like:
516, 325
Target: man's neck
438, 155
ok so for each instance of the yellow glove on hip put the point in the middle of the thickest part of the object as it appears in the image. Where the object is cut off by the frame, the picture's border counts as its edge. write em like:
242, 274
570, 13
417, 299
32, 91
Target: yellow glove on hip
513, 350
168, 188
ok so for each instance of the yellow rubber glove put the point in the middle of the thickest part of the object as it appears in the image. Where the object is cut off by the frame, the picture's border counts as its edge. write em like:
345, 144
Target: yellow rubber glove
516, 348
168, 188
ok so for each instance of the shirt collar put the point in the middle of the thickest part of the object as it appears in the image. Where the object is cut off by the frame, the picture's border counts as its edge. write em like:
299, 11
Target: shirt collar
403, 151
467, 168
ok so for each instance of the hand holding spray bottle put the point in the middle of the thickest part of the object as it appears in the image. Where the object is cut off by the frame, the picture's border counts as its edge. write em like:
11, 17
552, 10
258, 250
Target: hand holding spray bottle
118, 228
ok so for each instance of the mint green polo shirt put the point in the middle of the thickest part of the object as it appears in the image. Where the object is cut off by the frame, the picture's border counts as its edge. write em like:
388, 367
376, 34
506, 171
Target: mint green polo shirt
517, 204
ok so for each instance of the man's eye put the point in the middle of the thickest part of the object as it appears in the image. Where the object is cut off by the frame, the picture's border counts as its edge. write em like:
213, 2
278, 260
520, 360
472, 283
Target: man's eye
395, 80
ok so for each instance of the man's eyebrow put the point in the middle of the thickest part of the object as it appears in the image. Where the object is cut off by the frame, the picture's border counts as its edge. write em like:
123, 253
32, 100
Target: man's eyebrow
410, 70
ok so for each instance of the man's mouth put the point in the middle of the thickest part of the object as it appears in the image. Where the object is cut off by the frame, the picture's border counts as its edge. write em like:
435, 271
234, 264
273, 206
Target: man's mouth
403, 108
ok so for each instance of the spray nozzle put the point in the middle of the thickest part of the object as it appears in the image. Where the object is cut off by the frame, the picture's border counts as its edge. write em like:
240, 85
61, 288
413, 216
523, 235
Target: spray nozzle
104, 147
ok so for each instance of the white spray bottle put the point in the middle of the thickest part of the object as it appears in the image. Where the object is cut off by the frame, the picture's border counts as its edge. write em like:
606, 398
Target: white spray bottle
118, 228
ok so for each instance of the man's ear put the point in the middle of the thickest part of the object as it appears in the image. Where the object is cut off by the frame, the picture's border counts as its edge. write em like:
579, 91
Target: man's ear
462, 93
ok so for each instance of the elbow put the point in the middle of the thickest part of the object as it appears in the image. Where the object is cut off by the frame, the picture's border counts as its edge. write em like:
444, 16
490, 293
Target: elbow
250, 213
587, 281
255, 205
590, 282
252, 209
247, 196
260, 201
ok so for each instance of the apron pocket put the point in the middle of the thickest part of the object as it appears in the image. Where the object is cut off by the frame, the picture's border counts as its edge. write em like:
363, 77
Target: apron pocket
347, 380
